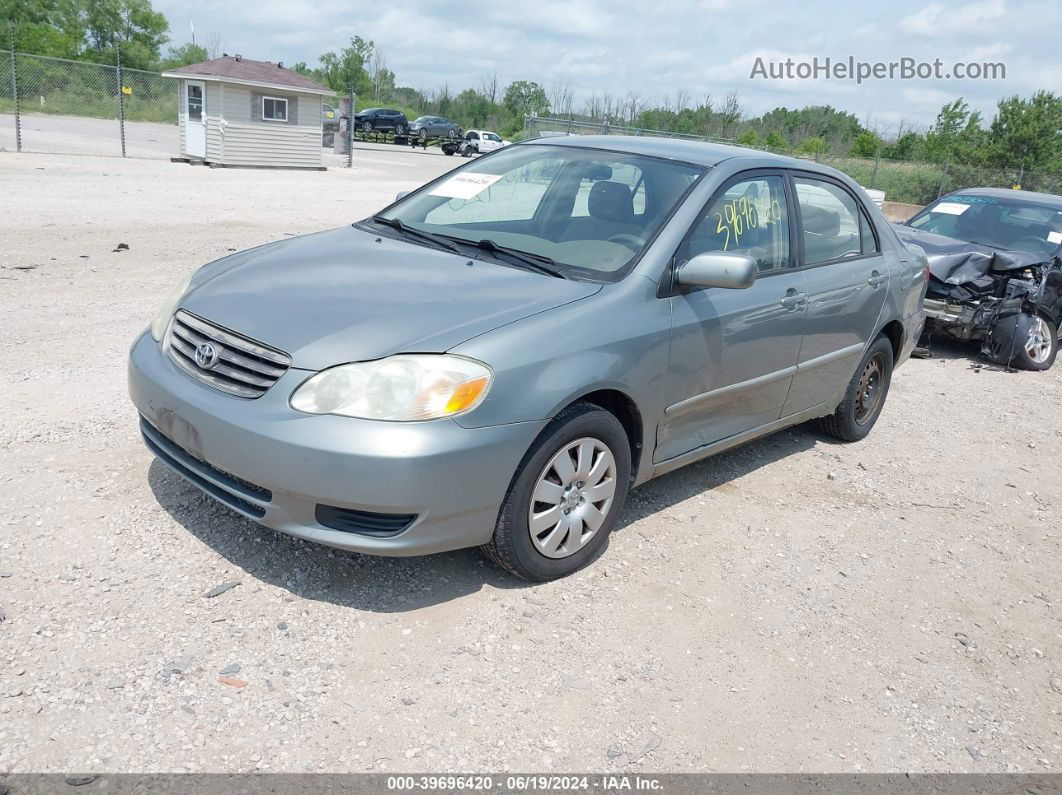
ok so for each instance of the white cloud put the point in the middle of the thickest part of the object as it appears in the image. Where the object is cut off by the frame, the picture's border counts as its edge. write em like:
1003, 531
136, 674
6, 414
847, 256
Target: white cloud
940, 20
703, 47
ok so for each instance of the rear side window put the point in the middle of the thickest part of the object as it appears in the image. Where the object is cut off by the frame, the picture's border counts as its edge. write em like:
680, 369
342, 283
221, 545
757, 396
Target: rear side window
830, 221
866, 233
749, 218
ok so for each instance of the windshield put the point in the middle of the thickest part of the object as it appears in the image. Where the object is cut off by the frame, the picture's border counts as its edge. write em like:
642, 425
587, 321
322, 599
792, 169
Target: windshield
590, 211
1004, 223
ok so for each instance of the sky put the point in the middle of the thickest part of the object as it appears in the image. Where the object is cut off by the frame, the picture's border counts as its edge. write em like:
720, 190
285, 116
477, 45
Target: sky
657, 50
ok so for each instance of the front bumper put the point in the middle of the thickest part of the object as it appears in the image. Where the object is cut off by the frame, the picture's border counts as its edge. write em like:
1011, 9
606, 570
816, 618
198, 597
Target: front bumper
276, 465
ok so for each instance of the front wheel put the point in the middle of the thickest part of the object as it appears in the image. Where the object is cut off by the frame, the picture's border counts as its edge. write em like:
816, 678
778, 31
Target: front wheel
865, 396
400, 130
366, 126
1039, 345
565, 497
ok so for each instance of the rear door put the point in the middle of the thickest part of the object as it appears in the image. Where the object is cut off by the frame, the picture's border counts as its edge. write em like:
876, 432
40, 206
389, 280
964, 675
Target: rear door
734, 352
847, 282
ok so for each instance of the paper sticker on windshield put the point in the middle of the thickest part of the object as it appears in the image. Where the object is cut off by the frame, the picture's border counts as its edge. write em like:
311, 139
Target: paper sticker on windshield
1054, 237
465, 185
951, 208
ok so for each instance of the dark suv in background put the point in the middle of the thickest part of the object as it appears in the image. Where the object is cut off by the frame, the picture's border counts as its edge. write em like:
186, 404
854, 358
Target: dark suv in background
381, 120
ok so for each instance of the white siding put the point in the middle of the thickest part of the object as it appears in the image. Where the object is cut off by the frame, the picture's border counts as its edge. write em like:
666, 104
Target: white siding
272, 145
235, 138
214, 146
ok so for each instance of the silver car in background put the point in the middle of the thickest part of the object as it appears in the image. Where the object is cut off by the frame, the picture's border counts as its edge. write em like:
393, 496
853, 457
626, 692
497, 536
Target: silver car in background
496, 358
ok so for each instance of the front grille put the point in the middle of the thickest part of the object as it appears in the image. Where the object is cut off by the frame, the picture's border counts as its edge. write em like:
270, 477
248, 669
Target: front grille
243, 367
364, 522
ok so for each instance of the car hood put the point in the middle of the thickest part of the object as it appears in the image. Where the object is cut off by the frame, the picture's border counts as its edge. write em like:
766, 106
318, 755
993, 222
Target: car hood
348, 295
955, 261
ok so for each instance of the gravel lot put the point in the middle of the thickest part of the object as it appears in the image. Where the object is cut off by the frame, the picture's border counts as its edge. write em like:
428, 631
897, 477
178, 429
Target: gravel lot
793, 605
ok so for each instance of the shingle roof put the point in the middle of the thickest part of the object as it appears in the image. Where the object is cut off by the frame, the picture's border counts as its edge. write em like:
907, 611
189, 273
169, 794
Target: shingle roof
240, 68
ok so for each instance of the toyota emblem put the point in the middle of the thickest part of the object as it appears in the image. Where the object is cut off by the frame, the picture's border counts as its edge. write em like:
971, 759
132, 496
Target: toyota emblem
206, 356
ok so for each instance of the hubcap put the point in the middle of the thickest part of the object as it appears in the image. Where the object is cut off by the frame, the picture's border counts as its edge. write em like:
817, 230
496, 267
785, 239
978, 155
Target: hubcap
868, 396
572, 497
1038, 343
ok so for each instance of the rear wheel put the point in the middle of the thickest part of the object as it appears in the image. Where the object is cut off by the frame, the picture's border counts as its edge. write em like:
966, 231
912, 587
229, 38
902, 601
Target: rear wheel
366, 126
566, 496
466, 151
865, 396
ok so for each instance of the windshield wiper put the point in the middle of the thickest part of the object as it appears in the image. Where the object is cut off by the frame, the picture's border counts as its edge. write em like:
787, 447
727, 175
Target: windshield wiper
436, 240
535, 262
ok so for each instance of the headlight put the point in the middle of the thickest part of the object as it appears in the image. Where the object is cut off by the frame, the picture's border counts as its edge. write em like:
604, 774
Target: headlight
169, 306
400, 388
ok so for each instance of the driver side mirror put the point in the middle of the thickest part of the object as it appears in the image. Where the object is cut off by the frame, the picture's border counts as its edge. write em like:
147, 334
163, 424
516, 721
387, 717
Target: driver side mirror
716, 269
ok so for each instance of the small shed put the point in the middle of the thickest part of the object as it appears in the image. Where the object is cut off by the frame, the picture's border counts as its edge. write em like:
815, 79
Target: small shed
237, 112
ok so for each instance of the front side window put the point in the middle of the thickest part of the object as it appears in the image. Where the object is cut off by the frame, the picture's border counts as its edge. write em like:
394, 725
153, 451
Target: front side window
829, 219
749, 218
274, 109
578, 207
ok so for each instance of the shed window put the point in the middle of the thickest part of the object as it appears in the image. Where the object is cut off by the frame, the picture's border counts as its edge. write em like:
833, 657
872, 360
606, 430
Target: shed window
274, 109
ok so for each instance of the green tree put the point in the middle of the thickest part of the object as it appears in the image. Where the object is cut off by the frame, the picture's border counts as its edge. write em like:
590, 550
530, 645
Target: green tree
183, 56
907, 147
1028, 132
524, 97
748, 138
866, 144
956, 134
131, 25
775, 141
42, 27
340, 70
813, 145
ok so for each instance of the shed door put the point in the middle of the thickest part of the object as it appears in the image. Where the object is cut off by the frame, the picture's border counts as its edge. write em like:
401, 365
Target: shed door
195, 118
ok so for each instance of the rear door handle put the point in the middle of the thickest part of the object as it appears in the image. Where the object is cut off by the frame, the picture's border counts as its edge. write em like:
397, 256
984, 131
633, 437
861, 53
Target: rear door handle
793, 299
876, 279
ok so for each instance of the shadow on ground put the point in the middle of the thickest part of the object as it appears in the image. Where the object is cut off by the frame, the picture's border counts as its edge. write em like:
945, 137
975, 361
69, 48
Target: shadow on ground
393, 585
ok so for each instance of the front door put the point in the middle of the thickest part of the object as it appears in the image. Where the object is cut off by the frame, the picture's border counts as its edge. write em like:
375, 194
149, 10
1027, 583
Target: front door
194, 118
848, 279
734, 352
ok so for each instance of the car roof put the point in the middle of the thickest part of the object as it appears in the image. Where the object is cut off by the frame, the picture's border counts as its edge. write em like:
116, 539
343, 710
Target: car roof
1048, 199
696, 152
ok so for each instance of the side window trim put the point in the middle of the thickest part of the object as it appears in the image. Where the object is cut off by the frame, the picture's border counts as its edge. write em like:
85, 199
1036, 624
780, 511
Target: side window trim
795, 174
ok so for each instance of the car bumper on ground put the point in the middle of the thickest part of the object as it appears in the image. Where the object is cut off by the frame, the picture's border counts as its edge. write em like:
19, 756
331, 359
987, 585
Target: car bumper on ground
395, 488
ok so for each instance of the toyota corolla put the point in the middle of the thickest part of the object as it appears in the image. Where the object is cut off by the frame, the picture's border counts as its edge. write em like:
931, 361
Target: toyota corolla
496, 358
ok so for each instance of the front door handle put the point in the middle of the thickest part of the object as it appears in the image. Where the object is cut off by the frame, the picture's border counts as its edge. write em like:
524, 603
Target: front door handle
793, 299
876, 279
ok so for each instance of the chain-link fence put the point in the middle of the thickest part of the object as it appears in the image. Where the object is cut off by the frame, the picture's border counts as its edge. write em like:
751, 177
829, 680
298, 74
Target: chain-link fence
54, 105
906, 181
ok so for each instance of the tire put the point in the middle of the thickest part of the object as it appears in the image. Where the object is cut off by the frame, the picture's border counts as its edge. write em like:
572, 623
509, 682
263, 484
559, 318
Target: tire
854, 418
329, 139
451, 133
1038, 345
400, 130
423, 134
466, 151
366, 127
582, 427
